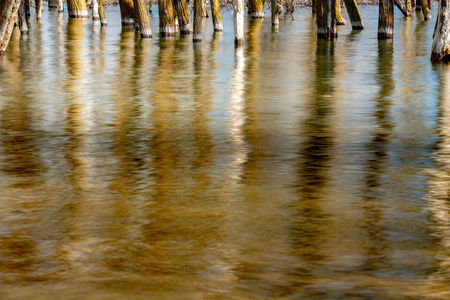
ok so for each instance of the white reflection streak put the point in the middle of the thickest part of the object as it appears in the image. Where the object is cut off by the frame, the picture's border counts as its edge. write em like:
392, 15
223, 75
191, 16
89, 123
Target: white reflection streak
237, 113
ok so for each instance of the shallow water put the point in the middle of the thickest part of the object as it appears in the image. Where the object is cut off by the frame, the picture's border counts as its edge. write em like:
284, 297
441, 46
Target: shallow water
289, 168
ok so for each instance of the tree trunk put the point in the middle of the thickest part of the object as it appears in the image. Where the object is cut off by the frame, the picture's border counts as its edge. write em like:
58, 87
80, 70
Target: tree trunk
403, 9
408, 6
182, 11
277, 8
441, 42
95, 10
354, 15
198, 19
9, 11
141, 15
60, 6
386, 19
127, 12
77, 9
27, 8
204, 10
216, 16
101, 12
426, 10
340, 20
166, 18
39, 8
23, 25
238, 6
257, 8
52, 3
326, 19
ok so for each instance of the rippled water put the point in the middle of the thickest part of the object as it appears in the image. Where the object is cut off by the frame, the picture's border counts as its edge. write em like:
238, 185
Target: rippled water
289, 168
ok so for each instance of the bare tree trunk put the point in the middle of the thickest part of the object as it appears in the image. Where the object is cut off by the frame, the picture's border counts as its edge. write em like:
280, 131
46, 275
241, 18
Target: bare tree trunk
150, 4
354, 15
23, 25
141, 15
408, 6
52, 3
9, 10
426, 10
386, 19
216, 16
238, 22
101, 12
182, 11
340, 20
403, 9
166, 18
77, 9
441, 42
60, 6
277, 8
204, 10
39, 8
257, 8
326, 19
95, 10
127, 12
198, 19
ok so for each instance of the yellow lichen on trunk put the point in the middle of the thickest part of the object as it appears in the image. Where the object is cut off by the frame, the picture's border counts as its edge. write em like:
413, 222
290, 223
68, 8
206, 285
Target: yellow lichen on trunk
198, 19
127, 12
141, 15
216, 16
101, 12
39, 8
77, 9
425, 10
257, 8
166, 18
182, 12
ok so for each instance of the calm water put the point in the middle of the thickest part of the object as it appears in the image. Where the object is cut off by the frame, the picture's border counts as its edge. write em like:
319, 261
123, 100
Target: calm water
289, 168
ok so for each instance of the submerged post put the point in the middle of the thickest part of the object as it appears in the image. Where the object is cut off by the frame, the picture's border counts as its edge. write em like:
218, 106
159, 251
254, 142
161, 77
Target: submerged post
166, 18
216, 16
182, 11
354, 14
425, 10
101, 12
198, 20
440, 51
277, 8
127, 12
10, 10
77, 9
39, 8
22, 15
257, 8
141, 15
326, 19
238, 22
386, 20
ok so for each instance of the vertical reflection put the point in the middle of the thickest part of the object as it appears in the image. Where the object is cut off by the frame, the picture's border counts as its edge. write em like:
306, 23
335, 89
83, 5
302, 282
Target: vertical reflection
309, 231
376, 243
439, 188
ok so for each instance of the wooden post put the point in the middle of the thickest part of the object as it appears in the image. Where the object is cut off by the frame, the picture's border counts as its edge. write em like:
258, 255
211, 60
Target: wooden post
95, 12
402, 8
127, 12
39, 8
326, 19
77, 9
441, 42
9, 10
340, 20
166, 18
238, 6
182, 11
101, 12
150, 4
257, 8
23, 25
60, 5
409, 7
425, 10
354, 15
216, 17
198, 19
277, 8
386, 20
141, 15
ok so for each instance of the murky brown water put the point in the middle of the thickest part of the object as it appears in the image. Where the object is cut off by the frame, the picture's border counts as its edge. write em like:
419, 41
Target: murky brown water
289, 168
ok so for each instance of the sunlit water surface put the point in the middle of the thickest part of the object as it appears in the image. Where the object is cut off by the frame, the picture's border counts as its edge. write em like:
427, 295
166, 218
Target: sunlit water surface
289, 168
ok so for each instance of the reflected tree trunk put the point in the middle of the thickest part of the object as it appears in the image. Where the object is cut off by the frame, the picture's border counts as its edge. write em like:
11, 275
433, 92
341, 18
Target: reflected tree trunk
77, 9
216, 16
354, 14
101, 12
182, 11
141, 15
326, 19
23, 26
238, 6
166, 18
441, 42
386, 19
10, 11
